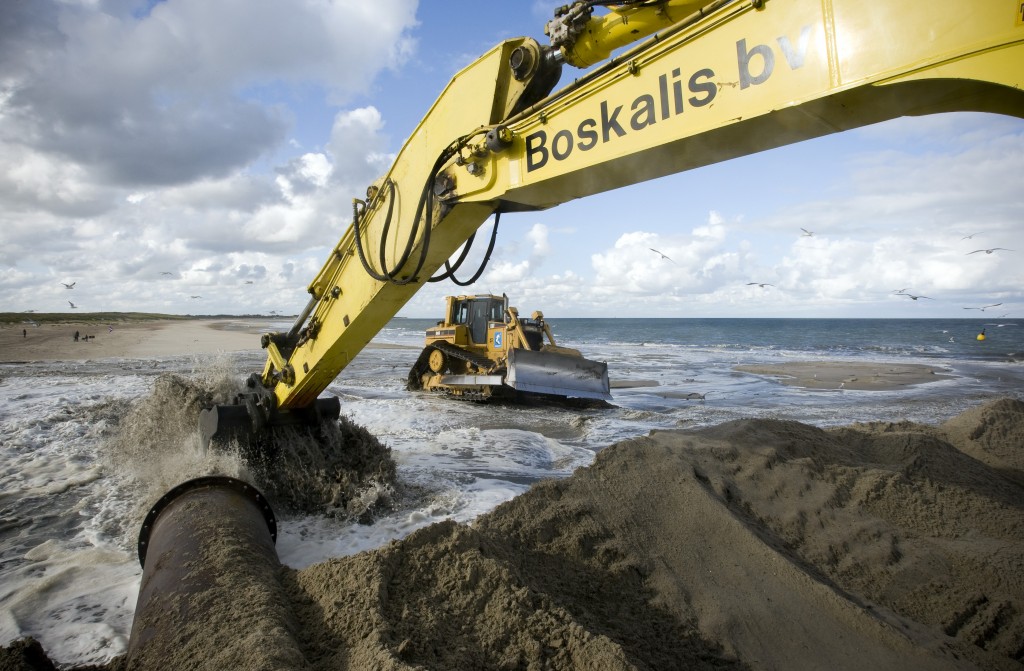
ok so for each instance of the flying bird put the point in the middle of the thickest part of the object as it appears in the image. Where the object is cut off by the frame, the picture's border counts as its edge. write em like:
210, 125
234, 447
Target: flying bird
900, 291
195, 296
662, 255
985, 307
807, 233
968, 237
72, 304
988, 251
760, 284
914, 298
165, 272
69, 286
248, 281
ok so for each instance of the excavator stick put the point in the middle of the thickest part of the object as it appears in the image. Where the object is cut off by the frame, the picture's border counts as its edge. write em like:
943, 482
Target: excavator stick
558, 374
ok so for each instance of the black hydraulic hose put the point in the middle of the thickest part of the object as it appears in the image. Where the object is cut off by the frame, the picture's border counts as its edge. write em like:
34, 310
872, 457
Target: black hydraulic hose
426, 200
450, 271
386, 275
359, 243
387, 226
449, 268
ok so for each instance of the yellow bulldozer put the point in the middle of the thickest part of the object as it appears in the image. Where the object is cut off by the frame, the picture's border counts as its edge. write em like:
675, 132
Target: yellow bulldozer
483, 349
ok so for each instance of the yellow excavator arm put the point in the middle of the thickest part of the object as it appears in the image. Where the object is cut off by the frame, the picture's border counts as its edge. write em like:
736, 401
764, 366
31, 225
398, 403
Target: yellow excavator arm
703, 83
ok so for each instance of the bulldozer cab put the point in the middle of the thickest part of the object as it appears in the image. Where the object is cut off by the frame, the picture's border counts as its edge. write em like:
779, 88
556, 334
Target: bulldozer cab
476, 313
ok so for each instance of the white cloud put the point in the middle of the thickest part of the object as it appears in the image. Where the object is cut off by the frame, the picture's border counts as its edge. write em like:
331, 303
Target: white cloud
224, 141
538, 237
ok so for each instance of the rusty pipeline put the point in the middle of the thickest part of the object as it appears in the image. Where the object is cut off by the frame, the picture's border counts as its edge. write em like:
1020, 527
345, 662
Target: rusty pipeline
211, 595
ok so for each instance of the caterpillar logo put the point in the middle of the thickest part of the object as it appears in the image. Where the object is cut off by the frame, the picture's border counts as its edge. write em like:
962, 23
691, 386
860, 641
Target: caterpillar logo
755, 65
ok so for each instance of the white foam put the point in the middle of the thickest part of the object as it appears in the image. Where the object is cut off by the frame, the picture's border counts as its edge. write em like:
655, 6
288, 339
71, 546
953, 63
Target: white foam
302, 542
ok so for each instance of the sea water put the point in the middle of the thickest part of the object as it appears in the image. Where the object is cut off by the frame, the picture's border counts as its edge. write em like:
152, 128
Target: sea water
71, 503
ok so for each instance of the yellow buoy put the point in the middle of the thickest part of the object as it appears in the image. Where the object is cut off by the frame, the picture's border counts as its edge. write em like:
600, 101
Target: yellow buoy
981, 336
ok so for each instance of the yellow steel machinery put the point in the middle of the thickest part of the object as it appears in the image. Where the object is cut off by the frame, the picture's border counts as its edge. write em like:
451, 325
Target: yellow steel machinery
483, 349
701, 83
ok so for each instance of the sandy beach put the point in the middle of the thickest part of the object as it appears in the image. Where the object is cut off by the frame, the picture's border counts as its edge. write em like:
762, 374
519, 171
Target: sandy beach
56, 342
753, 544
853, 376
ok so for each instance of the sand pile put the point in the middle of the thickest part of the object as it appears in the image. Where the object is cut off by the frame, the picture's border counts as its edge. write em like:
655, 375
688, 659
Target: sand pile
755, 544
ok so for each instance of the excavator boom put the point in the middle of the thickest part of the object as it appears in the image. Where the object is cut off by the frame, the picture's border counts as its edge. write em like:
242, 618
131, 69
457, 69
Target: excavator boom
707, 83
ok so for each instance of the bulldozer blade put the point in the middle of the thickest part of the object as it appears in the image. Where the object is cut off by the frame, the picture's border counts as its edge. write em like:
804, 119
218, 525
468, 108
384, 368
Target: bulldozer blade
557, 374
249, 425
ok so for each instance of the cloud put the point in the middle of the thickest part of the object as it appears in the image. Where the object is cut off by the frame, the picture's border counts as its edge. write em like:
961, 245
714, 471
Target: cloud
147, 140
696, 262
192, 90
538, 237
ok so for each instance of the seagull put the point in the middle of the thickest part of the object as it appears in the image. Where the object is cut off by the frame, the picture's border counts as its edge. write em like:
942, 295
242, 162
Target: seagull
914, 298
900, 291
248, 281
807, 233
968, 237
195, 296
988, 251
662, 255
760, 284
69, 286
72, 304
165, 272
984, 307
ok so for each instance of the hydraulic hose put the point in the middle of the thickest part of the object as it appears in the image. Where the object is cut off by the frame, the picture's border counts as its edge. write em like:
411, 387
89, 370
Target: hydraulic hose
426, 201
450, 270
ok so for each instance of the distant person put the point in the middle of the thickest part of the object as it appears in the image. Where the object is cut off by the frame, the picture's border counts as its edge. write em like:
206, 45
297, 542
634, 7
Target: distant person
76, 336
24, 333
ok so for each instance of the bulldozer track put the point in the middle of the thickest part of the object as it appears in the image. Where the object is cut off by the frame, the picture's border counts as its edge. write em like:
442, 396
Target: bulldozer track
422, 366
456, 352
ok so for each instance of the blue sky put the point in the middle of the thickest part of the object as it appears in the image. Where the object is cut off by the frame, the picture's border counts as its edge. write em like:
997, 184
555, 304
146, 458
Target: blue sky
153, 152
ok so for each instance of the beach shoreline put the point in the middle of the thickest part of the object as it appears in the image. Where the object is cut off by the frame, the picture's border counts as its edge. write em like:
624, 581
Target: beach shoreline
181, 337
133, 339
779, 536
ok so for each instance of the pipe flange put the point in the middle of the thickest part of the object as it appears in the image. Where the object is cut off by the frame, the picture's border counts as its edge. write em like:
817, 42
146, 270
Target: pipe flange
199, 483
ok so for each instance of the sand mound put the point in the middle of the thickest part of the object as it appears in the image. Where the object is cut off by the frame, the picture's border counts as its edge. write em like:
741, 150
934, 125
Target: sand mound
993, 434
755, 544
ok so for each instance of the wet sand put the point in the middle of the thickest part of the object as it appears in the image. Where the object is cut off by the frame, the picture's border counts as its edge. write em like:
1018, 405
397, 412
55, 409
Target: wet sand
754, 544
843, 375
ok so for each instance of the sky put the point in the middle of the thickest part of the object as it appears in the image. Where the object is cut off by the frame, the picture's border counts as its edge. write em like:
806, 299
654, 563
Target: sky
197, 157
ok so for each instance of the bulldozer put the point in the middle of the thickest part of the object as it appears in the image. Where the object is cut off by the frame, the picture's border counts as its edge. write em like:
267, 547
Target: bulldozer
483, 350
